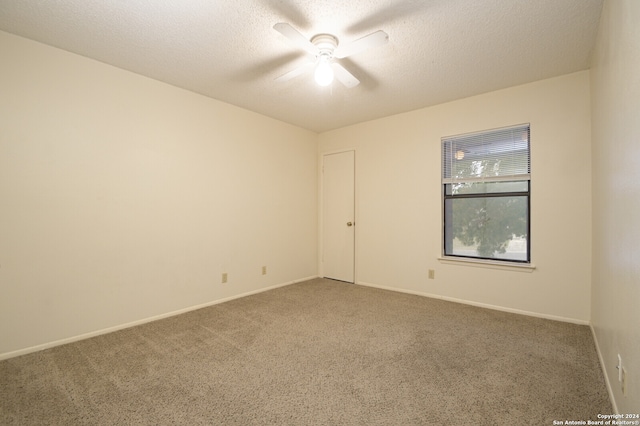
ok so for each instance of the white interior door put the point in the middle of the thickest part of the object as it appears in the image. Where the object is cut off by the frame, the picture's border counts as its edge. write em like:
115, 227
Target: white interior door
338, 216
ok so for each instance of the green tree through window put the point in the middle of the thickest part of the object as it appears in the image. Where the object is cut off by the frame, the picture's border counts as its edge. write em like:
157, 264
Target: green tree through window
486, 180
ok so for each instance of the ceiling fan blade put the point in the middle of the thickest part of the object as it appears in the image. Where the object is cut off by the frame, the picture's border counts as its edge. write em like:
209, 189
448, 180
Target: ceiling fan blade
296, 72
344, 76
294, 35
372, 40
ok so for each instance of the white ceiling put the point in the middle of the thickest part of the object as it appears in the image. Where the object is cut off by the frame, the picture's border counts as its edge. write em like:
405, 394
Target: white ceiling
438, 50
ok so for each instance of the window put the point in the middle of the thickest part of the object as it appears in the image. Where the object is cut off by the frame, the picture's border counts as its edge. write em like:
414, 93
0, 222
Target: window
486, 195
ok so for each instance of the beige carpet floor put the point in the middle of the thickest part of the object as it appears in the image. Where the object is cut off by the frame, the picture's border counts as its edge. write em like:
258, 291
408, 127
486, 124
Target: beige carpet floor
315, 353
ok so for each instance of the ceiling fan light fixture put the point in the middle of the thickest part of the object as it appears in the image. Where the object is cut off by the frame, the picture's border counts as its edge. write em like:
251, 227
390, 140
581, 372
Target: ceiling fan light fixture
324, 72
324, 47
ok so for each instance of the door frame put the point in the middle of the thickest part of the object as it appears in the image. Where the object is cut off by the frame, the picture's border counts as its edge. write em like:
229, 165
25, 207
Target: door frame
321, 210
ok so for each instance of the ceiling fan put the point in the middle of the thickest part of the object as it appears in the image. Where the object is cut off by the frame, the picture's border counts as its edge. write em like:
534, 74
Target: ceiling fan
326, 50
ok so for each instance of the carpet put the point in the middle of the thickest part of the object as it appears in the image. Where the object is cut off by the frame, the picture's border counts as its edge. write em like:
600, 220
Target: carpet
319, 352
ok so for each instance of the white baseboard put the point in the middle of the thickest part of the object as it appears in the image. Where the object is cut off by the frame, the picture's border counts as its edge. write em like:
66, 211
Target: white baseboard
478, 304
72, 339
604, 371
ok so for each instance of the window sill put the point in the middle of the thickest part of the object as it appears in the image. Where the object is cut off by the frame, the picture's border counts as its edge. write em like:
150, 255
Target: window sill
491, 264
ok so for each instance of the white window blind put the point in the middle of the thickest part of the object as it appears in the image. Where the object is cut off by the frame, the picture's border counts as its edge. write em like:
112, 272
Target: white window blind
489, 156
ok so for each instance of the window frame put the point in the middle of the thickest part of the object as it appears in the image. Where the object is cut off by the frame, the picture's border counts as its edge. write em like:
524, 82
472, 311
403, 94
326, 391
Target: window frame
449, 195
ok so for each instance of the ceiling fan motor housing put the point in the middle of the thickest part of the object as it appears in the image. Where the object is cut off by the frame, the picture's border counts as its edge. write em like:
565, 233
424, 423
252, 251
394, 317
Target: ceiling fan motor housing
326, 44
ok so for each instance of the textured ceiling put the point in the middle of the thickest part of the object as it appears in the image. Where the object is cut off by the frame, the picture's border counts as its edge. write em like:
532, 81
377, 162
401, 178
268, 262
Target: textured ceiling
438, 50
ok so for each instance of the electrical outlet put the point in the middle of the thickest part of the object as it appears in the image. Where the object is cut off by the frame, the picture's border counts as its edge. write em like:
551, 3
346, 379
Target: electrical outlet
224, 277
264, 270
624, 381
432, 274
619, 367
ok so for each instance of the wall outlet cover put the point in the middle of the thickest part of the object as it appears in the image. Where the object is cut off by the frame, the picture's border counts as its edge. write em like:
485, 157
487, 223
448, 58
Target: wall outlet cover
619, 367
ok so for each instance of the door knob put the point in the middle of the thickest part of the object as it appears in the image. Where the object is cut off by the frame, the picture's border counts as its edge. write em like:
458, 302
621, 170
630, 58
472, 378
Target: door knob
349, 223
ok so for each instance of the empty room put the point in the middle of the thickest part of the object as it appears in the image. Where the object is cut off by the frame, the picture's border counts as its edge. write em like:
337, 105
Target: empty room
375, 212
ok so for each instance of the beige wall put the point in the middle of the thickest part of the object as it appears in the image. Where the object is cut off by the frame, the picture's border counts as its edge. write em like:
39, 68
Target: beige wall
399, 220
123, 198
615, 85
